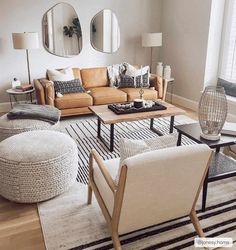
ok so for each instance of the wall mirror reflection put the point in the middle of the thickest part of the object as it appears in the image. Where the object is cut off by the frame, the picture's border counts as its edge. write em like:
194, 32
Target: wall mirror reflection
62, 34
105, 32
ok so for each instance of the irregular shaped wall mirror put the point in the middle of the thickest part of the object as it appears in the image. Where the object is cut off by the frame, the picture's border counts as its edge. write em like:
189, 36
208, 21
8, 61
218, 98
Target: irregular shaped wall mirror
62, 34
105, 32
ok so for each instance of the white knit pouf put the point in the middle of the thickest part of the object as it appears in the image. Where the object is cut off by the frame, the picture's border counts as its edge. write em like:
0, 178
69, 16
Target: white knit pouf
37, 165
12, 127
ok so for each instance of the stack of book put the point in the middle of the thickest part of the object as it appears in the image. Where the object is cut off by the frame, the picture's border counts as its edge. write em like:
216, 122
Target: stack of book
23, 87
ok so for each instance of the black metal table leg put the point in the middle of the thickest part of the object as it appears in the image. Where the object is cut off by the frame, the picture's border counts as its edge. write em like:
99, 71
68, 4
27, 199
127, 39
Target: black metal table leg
204, 192
172, 120
154, 129
99, 128
179, 139
111, 137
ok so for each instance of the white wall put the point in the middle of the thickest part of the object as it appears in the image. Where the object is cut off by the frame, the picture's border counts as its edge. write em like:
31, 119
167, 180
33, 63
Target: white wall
185, 27
135, 17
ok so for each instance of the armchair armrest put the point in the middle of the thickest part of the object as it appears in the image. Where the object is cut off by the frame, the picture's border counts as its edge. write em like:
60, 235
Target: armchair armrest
95, 156
39, 91
49, 91
157, 82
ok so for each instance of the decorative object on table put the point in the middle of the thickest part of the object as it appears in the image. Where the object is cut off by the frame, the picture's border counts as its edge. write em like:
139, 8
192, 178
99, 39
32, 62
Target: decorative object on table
229, 128
9, 128
159, 69
151, 40
212, 112
45, 113
27, 41
135, 107
15, 83
16, 92
24, 87
167, 72
37, 165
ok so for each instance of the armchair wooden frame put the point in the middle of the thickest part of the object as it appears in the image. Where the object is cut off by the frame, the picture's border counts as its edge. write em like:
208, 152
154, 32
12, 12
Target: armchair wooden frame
118, 192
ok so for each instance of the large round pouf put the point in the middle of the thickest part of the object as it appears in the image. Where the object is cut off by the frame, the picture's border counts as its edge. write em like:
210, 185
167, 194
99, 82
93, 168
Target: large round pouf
12, 127
37, 165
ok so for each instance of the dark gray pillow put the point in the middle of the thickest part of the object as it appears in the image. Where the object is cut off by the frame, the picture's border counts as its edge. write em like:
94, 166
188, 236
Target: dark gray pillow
230, 88
126, 81
66, 87
145, 81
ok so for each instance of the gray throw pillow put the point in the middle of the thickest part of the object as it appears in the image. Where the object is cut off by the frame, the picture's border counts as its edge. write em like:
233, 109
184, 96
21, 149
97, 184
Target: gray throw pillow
66, 87
126, 81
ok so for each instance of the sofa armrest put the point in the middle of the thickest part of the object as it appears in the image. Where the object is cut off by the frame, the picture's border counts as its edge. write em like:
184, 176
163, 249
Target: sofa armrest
49, 91
39, 91
157, 82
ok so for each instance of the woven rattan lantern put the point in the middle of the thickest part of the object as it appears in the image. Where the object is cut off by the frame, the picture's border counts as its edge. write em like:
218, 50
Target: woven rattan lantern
212, 112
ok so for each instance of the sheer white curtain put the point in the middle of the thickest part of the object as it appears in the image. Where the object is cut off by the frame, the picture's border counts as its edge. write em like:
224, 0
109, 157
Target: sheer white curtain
227, 67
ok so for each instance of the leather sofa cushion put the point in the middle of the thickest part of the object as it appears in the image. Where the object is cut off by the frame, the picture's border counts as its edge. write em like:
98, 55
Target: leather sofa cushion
107, 95
94, 77
73, 100
133, 93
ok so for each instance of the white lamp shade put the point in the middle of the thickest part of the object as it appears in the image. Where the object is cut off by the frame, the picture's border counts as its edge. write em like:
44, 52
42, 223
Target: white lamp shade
151, 39
27, 40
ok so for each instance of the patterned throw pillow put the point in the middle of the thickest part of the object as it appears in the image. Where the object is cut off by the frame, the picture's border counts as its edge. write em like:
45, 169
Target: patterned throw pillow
66, 87
129, 148
145, 79
126, 81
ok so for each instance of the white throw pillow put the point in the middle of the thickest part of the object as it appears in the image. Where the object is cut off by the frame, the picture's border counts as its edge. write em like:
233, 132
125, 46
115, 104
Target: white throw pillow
129, 148
60, 75
132, 71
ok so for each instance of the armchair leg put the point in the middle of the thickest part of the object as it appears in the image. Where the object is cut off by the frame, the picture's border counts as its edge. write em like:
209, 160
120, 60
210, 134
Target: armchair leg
116, 241
196, 223
90, 192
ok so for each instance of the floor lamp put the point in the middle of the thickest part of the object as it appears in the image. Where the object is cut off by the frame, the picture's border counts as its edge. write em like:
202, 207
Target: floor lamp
151, 40
26, 41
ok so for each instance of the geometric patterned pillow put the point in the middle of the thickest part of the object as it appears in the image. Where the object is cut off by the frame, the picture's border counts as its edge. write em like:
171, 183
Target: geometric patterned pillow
129, 147
145, 81
126, 81
66, 87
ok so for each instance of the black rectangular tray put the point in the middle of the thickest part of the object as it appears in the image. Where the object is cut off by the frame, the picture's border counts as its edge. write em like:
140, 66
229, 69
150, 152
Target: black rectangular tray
121, 111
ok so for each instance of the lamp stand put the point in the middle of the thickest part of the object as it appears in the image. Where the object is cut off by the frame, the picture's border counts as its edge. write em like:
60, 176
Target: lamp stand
28, 67
151, 61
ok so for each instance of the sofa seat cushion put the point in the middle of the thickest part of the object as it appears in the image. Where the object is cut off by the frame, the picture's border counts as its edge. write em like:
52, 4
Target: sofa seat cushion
106, 95
73, 100
94, 77
133, 93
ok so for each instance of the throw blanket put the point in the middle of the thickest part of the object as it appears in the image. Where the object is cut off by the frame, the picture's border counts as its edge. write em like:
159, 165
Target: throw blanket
38, 112
114, 73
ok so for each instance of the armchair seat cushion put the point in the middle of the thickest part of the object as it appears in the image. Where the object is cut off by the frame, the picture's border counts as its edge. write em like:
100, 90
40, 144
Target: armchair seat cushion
73, 100
112, 166
107, 95
133, 93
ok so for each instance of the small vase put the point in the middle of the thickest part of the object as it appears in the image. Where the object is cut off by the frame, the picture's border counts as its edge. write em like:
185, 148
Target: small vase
212, 112
167, 72
159, 69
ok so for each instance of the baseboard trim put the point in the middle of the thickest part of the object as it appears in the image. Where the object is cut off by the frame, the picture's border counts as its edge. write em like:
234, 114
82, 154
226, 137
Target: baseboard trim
182, 101
186, 103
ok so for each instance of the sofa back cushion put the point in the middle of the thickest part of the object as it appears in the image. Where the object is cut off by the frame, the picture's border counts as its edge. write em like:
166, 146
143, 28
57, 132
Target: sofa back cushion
76, 72
94, 77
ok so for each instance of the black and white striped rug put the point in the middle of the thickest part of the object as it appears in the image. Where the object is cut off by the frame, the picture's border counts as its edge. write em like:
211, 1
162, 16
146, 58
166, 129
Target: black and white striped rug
85, 134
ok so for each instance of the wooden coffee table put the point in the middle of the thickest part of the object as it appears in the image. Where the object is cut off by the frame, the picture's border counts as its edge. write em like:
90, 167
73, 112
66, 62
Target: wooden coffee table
106, 116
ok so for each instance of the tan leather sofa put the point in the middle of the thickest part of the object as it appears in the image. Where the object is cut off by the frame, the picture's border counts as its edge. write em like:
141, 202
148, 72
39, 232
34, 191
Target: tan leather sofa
96, 81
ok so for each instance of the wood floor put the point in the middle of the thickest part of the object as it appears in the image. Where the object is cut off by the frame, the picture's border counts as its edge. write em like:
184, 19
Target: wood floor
20, 227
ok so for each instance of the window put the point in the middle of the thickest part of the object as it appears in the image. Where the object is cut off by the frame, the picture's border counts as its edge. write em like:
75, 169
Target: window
227, 66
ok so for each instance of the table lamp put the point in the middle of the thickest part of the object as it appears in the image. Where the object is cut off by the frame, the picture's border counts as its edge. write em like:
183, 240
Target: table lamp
26, 41
151, 40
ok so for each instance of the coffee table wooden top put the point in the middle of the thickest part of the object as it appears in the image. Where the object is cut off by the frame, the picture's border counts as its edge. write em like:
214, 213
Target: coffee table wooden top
109, 117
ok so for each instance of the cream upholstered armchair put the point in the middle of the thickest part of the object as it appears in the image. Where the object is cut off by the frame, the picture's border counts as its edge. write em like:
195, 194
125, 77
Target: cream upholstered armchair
152, 188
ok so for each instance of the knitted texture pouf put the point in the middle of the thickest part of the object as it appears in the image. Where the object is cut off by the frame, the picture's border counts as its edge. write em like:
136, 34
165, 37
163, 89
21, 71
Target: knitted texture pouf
37, 165
12, 127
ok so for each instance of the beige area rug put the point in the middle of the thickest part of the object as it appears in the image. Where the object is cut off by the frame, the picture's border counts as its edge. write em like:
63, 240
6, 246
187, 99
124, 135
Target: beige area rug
69, 223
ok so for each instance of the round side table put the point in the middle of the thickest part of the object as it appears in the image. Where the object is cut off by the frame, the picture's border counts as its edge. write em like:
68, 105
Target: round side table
13, 93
